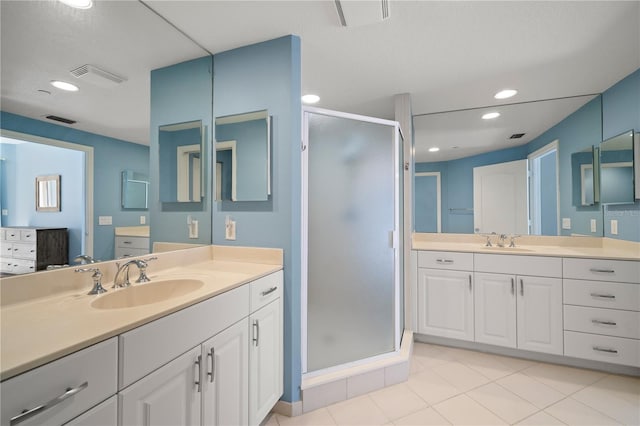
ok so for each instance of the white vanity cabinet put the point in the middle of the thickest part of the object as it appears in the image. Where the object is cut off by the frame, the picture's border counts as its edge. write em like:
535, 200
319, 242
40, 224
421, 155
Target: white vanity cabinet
102, 414
445, 294
231, 372
266, 382
126, 246
518, 302
63, 389
602, 310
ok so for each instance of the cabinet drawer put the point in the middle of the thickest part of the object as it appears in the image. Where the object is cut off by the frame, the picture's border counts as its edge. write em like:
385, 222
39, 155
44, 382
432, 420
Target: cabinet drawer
129, 252
133, 242
23, 266
6, 265
7, 249
627, 271
445, 260
145, 348
24, 250
616, 350
12, 234
27, 235
602, 294
609, 322
92, 371
537, 266
265, 290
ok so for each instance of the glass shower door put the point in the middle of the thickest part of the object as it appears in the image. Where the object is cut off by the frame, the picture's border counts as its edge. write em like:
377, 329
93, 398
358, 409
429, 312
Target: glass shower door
351, 165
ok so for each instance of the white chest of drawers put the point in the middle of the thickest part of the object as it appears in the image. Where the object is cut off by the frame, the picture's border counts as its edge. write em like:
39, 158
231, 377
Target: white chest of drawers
26, 249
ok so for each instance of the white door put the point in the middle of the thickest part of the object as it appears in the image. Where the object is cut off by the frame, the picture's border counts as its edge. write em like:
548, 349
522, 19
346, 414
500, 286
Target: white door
495, 309
445, 300
500, 198
226, 376
168, 396
265, 377
540, 314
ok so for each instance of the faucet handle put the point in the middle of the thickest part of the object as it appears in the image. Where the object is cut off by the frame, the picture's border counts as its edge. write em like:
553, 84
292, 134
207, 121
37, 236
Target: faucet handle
513, 237
488, 237
97, 280
142, 266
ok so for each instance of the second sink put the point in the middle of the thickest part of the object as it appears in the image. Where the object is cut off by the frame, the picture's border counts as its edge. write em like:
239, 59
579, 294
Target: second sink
146, 294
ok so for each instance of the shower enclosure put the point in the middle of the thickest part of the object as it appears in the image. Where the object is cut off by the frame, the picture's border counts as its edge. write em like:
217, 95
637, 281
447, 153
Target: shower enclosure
351, 272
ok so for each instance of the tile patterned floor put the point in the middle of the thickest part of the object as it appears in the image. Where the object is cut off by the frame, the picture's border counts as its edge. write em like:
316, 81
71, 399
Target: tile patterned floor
460, 387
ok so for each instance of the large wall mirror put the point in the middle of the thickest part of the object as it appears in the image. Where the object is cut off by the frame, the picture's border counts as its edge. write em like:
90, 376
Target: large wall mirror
36, 51
181, 146
617, 169
243, 157
471, 173
135, 190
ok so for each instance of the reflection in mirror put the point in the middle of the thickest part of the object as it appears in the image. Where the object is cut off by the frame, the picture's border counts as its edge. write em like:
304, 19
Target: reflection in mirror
181, 147
585, 177
48, 193
525, 138
135, 190
243, 157
616, 170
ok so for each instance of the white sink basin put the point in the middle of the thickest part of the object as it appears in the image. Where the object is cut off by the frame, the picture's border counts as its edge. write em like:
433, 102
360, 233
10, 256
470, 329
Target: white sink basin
146, 294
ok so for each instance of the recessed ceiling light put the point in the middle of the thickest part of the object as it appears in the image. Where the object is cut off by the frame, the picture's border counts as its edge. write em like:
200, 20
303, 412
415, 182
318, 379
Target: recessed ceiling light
310, 99
62, 85
434, 149
506, 93
491, 115
78, 4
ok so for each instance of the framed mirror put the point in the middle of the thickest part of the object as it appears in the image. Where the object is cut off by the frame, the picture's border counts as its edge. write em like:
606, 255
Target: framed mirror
48, 193
181, 146
585, 177
135, 190
617, 169
243, 157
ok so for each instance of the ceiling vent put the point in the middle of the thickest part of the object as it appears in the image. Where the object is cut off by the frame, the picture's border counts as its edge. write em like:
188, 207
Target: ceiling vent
61, 119
99, 77
353, 13
516, 135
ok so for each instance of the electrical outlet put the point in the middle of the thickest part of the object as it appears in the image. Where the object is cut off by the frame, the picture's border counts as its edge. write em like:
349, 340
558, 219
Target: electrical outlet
594, 225
614, 227
193, 229
566, 223
229, 229
143, 220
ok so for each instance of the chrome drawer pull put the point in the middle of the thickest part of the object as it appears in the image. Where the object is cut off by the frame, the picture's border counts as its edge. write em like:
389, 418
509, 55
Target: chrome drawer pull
606, 271
607, 350
212, 374
267, 292
512, 285
604, 296
256, 332
27, 414
199, 372
444, 261
597, 321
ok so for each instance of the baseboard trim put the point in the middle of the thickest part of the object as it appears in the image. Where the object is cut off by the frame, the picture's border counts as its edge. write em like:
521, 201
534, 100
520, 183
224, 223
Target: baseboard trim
289, 409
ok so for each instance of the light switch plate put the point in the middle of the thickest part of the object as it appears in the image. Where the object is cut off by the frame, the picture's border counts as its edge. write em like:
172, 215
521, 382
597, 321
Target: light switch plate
105, 220
230, 230
566, 223
614, 227
593, 225
143, 220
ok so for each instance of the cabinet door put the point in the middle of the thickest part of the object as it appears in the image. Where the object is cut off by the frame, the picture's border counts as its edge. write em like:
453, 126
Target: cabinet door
168, 396
445, 303
265, 371
495, 309
226, 381
540, 314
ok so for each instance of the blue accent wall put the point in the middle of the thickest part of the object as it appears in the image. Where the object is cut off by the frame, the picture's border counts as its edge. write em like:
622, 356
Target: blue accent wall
548, 196
621, 112
180, 93
267, 76
111, 157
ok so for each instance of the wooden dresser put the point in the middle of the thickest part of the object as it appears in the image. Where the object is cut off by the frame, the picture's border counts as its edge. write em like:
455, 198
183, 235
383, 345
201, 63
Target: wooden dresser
30, 249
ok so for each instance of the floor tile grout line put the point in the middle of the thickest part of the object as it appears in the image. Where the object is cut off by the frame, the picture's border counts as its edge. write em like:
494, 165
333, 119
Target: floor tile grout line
514, 394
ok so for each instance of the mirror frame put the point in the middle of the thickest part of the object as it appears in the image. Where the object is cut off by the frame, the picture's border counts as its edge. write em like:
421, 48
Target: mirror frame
43, 189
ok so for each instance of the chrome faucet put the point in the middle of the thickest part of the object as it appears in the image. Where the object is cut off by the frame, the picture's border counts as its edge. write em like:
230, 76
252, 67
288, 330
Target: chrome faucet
84, 259
513, 240
501, 240
122, 275
97, 280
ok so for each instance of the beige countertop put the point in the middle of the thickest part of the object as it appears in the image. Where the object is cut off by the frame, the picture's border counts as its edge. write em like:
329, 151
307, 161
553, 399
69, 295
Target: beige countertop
132, 231
38, 327
588, 247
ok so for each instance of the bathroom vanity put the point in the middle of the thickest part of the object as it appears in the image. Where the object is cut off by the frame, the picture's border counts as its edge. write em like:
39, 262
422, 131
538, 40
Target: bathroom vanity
557, 303
210, 354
